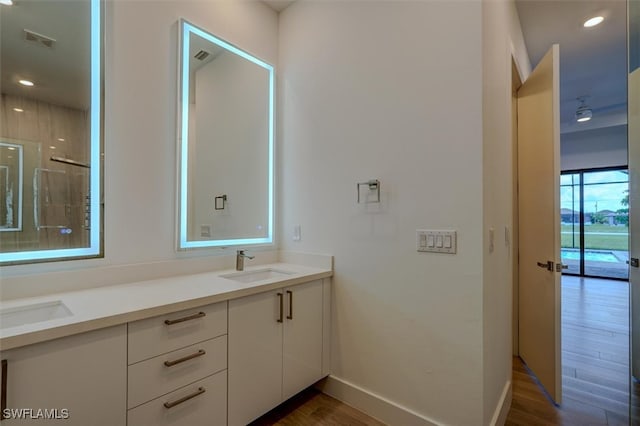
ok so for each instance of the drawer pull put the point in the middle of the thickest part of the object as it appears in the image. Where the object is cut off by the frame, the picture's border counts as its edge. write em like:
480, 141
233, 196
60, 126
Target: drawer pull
183, 319
186, 358
290, 293
172, 404
281, 307
3, 391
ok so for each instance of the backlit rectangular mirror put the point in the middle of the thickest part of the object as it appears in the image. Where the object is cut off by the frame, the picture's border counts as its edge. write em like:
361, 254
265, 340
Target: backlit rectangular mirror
225, 143
50, 130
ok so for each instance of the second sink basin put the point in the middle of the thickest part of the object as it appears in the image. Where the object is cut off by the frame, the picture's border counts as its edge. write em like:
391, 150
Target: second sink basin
29, 314
256, 275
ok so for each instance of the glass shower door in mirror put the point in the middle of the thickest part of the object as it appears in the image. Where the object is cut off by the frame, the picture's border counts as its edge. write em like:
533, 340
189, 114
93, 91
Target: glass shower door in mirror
50, 130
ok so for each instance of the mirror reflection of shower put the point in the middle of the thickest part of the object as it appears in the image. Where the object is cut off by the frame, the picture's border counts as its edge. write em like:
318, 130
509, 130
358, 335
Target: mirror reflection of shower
44, 196
46, 106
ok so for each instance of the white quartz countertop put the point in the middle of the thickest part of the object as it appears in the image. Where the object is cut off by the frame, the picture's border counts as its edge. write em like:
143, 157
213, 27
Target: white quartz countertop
107, 306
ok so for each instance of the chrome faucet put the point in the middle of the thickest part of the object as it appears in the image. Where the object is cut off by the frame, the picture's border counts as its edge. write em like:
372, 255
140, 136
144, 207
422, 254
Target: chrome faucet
240, 255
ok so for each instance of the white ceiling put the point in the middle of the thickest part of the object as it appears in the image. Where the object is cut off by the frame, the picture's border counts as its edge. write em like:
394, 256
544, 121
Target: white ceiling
593, 61
61, 74
278, 5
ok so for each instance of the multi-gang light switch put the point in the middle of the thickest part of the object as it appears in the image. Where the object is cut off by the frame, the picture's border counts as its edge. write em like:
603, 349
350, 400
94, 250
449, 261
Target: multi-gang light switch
436, 241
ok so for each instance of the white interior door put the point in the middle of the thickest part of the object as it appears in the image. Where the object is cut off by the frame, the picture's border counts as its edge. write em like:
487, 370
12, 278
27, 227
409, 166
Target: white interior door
539, 223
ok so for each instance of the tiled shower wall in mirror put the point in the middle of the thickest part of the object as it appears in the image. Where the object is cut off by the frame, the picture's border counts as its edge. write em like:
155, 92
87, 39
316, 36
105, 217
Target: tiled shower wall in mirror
54, 194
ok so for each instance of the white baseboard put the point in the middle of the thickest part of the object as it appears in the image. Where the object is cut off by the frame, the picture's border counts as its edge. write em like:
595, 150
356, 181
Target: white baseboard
504, 404
373, 405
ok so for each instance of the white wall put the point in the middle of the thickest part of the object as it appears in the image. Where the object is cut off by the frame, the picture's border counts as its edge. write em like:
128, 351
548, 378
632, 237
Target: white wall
502, 40
604, 147
140, 128
390, 90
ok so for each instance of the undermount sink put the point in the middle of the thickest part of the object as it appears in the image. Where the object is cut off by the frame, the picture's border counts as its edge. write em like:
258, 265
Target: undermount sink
30, 314
256, 275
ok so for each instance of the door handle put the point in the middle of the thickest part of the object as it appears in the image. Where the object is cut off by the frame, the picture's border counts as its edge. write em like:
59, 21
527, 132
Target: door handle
561, 266
290, 293
281, 297
549, 265
635, 262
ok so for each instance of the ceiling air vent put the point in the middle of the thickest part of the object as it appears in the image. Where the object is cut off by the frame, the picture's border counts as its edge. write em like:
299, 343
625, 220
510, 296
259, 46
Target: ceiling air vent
39, 39
201, 55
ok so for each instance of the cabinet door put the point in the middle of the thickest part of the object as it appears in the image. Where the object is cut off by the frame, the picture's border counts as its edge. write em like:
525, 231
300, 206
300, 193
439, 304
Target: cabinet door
83, 377
255, 356
302, 363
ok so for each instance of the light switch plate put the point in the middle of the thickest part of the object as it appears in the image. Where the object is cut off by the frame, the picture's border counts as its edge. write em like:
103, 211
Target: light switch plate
436, 241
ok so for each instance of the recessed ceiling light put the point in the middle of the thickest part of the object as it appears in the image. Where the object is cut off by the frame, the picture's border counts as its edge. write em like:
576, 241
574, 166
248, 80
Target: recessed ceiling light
61, 139
6, 2
593, 21
27, 83
12, 148
18, 110
52, 147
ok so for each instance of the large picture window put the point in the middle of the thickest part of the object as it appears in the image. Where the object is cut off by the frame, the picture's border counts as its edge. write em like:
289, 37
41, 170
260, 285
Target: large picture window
595, 222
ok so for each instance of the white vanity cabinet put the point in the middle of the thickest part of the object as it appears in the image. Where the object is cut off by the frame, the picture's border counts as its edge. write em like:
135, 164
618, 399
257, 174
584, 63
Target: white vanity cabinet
177, 372
275, 348
81, 376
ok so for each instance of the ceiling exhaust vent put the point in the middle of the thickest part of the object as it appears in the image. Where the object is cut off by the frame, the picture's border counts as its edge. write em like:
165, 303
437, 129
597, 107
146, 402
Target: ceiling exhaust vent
40, 39
201, 55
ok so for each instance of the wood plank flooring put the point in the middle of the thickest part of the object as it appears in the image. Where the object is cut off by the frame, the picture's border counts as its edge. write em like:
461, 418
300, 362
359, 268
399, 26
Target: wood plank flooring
595, 361
313, 408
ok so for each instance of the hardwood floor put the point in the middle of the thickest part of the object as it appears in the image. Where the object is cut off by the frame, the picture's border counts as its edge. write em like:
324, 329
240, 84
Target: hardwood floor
313, 408
595, 361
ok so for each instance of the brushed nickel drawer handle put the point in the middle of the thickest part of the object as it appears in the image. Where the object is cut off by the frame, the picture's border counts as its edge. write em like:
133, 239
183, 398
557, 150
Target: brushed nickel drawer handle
187, 318
186, 358
280, 296
172, 404
3, 391
290, 293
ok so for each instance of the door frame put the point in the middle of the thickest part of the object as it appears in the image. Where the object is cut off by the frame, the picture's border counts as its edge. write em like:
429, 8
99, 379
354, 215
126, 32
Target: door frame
516, 82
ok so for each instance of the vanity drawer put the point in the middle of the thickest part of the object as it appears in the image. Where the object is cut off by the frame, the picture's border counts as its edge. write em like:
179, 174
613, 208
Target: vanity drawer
207, 406
162, 374
166, 333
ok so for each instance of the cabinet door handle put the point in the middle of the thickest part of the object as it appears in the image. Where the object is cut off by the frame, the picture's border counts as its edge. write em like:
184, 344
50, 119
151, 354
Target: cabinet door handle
3, 391
172, 404
186, 358
290, 293
187, 318
280, 296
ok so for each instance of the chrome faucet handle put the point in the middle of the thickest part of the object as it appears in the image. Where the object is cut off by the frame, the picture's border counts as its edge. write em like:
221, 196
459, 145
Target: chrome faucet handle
242, 253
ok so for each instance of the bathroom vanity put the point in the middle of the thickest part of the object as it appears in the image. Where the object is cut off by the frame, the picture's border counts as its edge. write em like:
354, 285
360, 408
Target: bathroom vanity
218, 348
